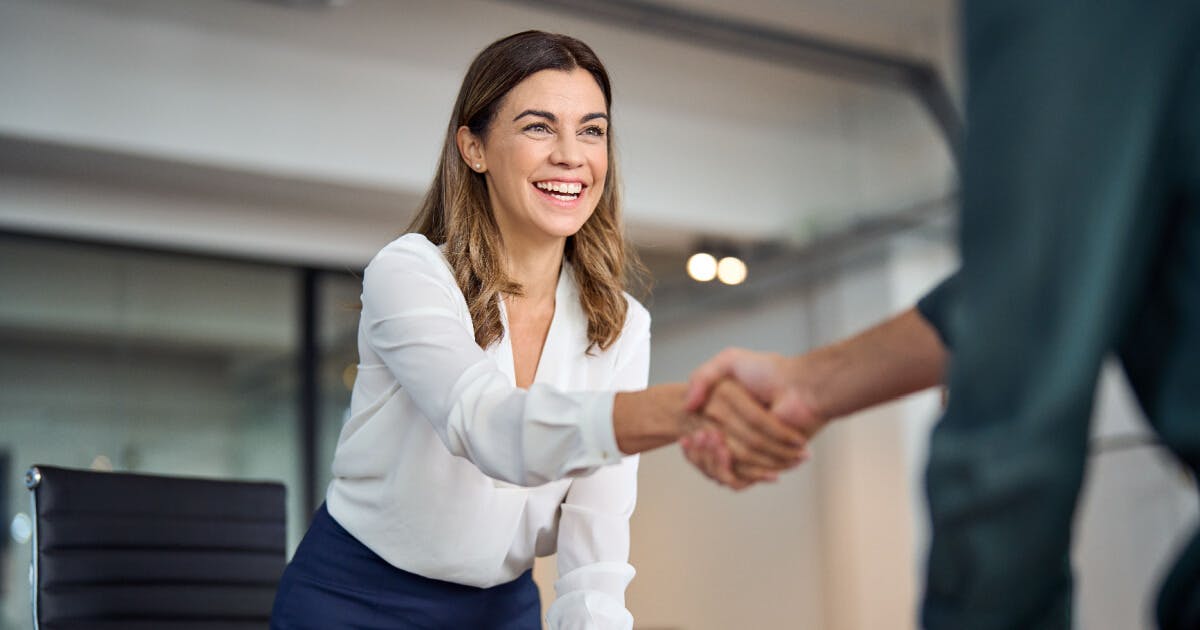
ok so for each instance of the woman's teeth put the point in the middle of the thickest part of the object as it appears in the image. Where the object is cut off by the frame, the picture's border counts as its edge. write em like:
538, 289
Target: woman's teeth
563, 191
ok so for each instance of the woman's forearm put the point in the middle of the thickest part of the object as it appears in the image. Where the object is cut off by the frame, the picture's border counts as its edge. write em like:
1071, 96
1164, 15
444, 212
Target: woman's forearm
650, 418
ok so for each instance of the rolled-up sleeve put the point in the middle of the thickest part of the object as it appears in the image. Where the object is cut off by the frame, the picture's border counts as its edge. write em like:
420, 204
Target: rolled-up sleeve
593, 534
413, 318
938, 307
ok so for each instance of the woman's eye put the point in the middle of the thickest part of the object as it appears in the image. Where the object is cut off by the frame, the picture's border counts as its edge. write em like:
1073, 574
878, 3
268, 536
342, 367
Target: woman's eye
537, 128
594, 131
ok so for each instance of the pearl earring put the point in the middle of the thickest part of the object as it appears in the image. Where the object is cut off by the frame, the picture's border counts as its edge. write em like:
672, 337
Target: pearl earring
478, 166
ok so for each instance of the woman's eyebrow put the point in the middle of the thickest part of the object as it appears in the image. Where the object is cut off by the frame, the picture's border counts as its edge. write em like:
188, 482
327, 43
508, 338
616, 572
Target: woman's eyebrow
554, 119
537, 112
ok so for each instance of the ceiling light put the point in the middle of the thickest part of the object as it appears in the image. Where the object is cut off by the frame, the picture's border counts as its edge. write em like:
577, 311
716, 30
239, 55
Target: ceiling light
731, 270
702, 267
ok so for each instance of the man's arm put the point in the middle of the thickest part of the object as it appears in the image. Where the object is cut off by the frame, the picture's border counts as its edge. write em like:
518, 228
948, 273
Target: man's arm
902, 355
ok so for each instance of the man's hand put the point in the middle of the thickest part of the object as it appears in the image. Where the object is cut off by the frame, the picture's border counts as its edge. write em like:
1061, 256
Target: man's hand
899, 356
736, 429
653, 417
771, 380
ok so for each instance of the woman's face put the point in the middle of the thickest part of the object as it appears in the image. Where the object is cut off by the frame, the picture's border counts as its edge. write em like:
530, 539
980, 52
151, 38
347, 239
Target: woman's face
546, 155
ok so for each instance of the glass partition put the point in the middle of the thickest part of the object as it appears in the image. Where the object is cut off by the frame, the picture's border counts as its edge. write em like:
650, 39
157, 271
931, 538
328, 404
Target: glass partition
140, 361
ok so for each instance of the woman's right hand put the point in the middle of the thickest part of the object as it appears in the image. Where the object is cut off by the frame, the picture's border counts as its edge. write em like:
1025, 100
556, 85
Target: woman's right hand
739, 443
756, 439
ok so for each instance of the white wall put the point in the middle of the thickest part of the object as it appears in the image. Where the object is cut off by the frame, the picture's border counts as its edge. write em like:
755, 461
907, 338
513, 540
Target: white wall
709, 558
1138, 508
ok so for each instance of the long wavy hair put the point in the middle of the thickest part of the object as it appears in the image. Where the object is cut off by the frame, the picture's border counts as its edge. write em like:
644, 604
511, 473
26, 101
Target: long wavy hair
456, 210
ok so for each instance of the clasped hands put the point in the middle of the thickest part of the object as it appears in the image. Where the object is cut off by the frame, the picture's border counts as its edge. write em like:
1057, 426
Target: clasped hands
753, 417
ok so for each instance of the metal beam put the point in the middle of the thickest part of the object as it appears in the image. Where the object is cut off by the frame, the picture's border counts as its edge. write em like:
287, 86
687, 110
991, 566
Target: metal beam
784, 47
308, 367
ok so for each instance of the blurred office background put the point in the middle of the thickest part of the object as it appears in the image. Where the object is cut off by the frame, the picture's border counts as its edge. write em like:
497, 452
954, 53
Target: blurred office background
188, 190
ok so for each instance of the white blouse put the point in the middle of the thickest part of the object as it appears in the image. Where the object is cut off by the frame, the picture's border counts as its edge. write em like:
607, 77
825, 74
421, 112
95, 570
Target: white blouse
446, 469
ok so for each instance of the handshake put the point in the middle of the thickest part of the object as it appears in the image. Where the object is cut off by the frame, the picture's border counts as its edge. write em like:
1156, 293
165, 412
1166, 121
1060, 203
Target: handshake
742, 418
751, 417
746, 416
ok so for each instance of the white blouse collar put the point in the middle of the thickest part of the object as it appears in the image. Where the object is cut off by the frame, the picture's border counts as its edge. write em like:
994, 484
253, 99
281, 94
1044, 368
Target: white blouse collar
568, 330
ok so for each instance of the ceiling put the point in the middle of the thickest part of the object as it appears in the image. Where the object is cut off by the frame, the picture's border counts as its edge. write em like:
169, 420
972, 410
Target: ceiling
238, 100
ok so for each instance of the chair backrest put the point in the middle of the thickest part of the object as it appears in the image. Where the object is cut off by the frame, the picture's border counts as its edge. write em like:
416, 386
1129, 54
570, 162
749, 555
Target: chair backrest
136, 552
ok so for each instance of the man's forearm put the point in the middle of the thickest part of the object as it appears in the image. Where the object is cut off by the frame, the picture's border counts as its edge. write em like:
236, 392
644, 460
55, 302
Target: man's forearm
899, 356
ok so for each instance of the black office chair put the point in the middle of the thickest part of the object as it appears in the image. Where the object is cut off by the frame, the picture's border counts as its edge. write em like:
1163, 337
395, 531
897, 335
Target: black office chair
119, 551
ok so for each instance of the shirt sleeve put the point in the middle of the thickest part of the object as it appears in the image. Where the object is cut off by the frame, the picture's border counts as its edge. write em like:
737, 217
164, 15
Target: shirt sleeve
413, 318
938, 305
593, 533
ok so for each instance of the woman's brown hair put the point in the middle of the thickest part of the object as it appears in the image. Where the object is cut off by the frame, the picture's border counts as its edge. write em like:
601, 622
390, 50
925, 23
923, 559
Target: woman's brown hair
456, 211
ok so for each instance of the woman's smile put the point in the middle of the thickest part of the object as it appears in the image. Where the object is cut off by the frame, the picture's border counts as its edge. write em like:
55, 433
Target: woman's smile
560, 192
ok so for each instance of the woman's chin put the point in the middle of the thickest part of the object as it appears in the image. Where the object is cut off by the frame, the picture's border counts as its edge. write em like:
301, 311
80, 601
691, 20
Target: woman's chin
561, 227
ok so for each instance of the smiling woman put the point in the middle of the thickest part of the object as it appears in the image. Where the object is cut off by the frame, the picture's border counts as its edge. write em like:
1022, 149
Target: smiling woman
494, 417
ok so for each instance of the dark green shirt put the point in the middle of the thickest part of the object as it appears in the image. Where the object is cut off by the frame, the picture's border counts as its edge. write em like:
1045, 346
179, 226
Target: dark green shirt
1080, 238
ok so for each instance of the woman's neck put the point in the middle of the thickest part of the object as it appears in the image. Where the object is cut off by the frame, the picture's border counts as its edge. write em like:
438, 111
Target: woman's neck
535, 266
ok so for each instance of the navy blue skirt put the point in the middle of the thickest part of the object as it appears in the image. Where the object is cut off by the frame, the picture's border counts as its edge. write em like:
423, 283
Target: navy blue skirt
335, 582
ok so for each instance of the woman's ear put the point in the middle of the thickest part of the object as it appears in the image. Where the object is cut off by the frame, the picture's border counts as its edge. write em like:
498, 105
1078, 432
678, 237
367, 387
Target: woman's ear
470, 148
